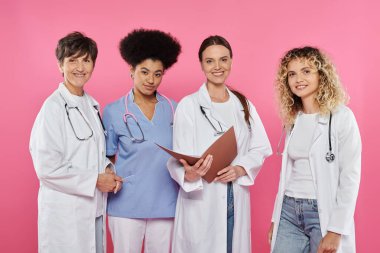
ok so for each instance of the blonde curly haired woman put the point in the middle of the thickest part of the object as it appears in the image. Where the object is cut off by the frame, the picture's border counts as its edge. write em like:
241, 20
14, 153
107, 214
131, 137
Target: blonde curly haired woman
321, 160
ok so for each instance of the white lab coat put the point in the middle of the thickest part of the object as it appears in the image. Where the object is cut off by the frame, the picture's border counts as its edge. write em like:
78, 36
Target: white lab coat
68, 170
336, 183
201, 213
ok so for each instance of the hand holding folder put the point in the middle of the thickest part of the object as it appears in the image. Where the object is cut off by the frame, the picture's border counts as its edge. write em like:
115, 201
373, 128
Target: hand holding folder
223, 150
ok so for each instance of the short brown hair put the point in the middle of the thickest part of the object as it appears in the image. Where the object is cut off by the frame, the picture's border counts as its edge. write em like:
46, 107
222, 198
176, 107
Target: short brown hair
76, 44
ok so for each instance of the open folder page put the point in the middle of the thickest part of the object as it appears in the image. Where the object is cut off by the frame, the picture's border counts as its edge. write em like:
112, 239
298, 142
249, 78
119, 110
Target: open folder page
223, 150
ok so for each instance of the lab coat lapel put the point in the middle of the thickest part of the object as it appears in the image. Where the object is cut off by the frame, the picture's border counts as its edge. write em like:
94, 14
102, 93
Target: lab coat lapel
95, 105
67, 96
322, 122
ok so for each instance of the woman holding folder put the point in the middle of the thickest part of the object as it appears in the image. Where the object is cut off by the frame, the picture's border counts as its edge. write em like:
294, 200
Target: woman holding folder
215, 217
143, 211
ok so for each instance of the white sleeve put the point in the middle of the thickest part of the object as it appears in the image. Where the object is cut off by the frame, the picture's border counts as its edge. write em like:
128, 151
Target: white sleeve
259, 148
183, 142
47, 147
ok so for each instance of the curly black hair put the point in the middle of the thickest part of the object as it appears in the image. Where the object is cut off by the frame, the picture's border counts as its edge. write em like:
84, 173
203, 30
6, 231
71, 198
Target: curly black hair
142, 44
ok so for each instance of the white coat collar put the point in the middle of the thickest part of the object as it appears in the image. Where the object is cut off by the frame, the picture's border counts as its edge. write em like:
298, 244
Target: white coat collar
322, 119
204, 99
70, 98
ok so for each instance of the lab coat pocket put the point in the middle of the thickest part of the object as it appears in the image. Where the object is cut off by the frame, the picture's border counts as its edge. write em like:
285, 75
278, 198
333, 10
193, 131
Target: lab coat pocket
58, 223
198, 221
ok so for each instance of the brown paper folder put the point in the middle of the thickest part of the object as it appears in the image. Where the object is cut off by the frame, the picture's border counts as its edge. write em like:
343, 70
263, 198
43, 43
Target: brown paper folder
223, 150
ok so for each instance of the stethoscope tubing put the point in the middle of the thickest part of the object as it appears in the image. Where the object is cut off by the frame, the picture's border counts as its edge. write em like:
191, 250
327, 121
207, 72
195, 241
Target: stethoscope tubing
127, 113
134, 117
330, 157
67, 107
217, 132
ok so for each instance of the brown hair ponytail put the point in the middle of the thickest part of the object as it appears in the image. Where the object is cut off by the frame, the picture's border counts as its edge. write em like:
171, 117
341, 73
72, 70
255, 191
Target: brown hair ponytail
244, 102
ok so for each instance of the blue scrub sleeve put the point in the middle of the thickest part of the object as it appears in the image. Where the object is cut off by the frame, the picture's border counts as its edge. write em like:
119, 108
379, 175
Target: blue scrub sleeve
111, 138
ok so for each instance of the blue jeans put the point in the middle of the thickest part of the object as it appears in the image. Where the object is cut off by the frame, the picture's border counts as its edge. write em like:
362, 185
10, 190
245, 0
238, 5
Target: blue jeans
230, 216
299, 230
99, 234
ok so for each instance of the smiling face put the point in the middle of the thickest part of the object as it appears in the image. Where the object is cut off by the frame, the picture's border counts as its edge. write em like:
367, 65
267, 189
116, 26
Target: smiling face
216, 64
76, 72
147, 77
303, 80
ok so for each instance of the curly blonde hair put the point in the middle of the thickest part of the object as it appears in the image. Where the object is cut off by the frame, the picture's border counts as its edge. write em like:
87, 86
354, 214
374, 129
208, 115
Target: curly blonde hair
330, 92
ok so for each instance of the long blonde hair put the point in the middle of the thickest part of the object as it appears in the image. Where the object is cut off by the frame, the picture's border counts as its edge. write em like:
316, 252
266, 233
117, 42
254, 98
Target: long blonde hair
330, 92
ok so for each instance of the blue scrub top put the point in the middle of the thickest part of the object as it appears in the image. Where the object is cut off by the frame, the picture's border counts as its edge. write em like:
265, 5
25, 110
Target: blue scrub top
148, 190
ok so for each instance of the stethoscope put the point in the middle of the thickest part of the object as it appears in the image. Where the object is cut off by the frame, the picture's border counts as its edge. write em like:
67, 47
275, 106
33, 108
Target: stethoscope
217, 132
330, 157
128, 114
221, 131
68, 108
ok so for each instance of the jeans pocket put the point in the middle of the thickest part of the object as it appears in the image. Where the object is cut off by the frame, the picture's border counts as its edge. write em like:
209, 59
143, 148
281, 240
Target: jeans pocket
315, 205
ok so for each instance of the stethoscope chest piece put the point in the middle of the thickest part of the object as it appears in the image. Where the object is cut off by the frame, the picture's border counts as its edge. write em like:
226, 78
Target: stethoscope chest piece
330, 157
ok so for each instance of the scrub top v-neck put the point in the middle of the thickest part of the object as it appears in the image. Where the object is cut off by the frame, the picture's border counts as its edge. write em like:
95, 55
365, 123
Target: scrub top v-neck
148, 190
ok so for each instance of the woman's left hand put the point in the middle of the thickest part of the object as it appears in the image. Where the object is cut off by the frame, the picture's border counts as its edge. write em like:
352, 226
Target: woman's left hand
229, 174
329, 243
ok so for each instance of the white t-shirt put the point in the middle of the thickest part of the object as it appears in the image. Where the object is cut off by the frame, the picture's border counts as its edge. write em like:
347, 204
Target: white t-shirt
300, 184
226, 111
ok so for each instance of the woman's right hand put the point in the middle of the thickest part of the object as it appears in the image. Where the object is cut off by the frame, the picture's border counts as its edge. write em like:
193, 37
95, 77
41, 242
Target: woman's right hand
109, 181
198, 170
270, 233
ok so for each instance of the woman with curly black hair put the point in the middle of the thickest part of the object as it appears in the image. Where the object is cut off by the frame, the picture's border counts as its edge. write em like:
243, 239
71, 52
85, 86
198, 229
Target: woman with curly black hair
144, 209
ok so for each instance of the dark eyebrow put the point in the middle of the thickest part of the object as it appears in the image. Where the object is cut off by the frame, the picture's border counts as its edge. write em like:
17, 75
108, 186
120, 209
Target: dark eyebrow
144, 68
223, 57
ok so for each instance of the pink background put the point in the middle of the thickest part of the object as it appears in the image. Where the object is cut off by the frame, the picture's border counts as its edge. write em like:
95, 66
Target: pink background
259, 32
